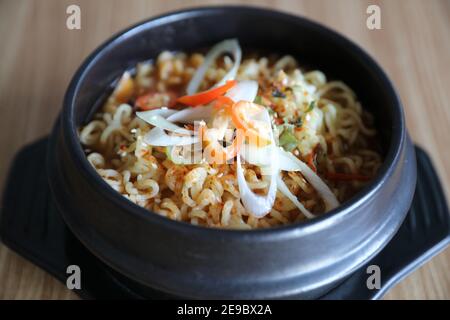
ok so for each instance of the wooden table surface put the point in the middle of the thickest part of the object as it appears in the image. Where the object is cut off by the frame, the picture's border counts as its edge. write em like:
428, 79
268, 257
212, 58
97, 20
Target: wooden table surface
39, 55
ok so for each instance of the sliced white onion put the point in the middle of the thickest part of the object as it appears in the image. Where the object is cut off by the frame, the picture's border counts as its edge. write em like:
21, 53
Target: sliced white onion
289, 161
189, 115
243, 90
163, 111
219, 128
257, 205
285, 190
160, 122
265, 117
158, 137
258, 156
230, 46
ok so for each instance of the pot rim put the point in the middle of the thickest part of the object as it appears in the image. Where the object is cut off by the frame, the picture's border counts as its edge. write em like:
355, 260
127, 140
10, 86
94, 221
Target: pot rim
303, 228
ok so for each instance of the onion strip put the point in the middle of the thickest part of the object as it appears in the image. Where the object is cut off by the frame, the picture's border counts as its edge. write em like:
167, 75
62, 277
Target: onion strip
160, 122
188, 115
243, 90
157, 137
258, 156
285, 190
257, 205
231, 46
290, 162
163, 111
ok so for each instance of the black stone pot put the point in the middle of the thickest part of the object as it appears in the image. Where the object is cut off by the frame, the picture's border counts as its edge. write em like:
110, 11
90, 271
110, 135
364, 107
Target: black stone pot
302, 260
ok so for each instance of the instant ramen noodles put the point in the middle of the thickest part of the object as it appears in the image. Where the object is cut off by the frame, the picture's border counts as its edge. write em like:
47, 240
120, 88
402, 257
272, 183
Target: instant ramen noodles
227, 141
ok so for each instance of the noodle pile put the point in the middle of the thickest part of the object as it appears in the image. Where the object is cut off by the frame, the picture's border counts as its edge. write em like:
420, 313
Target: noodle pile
321, 122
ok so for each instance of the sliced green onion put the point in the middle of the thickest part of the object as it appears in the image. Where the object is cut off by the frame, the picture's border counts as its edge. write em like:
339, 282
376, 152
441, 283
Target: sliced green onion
311, 106
271, 111
288, 141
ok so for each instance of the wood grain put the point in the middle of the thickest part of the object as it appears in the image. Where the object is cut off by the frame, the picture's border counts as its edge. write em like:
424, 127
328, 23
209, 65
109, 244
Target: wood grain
39, 55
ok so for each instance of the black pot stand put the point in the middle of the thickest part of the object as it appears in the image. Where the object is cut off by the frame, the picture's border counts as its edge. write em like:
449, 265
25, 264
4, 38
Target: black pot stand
32, 226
